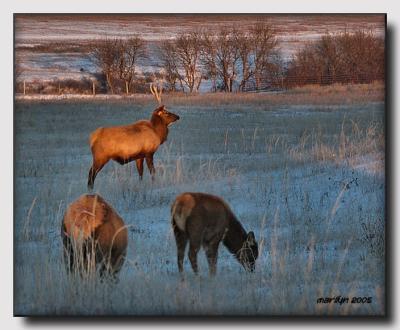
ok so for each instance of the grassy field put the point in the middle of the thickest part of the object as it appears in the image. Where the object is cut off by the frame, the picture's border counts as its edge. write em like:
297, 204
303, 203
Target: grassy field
305, 172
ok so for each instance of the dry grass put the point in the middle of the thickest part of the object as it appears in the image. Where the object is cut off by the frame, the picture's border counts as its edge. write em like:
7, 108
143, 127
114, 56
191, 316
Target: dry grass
346, 148
313, 94
308, 95
315, 217
284, 282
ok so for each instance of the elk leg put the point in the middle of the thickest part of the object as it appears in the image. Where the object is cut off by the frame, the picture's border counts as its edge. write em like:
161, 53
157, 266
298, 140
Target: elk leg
181, 241
193, 249
139, 166
91, 178
96, 167
117, 262
68, 255
102, 257
211, 250
150, 165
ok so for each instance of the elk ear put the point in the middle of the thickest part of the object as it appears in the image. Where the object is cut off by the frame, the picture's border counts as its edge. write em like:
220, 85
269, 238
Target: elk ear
250, 238
160, 110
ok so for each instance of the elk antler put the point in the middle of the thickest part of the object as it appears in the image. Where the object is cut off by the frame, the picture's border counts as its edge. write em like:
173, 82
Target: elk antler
156, 93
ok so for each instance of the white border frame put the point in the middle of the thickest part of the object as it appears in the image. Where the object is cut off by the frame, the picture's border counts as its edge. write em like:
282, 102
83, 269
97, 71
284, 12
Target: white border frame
7, 8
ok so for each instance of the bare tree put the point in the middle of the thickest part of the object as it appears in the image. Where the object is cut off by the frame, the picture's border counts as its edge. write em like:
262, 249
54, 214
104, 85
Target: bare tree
276, 70
187, 50
105, 55
117, 59
129, 51
342, 58
235, 57
244, 45
227, 58
328, 53
209, 56
169, 64
181, 61
263, 40
362, 56
304, 68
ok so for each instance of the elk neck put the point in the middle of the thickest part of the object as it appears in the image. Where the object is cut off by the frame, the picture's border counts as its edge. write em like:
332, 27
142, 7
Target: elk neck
160, 127
235, 236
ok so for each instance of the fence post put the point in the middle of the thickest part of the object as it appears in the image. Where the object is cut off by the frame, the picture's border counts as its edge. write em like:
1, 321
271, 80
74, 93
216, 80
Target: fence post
24, 87
93, 88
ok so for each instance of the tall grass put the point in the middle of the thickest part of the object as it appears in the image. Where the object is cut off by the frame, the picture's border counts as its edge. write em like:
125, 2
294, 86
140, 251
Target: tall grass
343, 147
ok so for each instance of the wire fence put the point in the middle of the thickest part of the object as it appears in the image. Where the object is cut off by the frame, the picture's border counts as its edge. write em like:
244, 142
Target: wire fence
93, 87
288, 82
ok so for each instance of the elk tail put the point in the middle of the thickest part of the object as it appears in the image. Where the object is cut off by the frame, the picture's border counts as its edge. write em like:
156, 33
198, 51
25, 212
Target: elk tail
180, 212
174, 216
173, 206
94, 136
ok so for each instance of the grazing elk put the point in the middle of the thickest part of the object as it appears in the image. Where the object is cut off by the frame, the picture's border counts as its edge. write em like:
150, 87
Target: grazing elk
137, 141
94, 236
206, 220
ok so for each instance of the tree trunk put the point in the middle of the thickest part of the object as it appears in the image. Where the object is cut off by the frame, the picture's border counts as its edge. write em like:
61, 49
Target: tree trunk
127, 87
198, 84
257, 82
214, 85
109, 83
181, 83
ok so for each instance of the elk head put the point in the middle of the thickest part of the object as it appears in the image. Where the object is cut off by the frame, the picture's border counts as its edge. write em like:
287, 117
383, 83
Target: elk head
248, 254
166, 116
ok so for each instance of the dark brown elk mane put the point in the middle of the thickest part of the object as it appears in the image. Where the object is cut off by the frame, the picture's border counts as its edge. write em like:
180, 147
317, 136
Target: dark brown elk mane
234, 236
159, 125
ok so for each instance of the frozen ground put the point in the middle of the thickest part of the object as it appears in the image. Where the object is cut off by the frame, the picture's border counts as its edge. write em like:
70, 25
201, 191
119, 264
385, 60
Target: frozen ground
308, 180
34, 30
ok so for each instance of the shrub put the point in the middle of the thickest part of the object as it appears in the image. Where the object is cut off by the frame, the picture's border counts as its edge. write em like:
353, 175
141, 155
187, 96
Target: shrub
342, 58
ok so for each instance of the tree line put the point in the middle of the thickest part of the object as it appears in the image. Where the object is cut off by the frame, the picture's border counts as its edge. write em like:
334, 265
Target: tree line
231, 59
357, 57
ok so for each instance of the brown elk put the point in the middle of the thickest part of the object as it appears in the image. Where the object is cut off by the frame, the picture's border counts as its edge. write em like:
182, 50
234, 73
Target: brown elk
137, 141
206, 220
94, 237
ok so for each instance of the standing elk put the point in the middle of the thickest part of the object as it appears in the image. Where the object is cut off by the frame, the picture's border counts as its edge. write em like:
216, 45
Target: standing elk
137, 141
206, 220
94, 237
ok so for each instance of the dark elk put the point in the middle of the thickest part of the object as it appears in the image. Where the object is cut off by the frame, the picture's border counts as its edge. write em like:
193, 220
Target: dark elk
137, 141
205, 220
94, 237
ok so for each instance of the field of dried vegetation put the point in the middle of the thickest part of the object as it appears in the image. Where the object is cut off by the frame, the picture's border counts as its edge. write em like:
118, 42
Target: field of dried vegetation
303, 169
